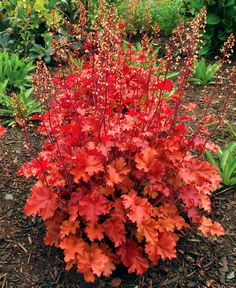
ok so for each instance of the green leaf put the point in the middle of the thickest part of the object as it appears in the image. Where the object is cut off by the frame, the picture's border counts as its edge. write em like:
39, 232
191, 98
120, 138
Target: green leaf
213, 19
212, 160
229, 3
231, 182
204, 50
51, 4
227, 153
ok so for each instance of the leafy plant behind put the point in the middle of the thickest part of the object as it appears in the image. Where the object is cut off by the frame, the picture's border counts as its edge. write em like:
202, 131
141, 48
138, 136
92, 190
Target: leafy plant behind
225, 161
168, 14
145, 16
17, 108
221, 22
231, 130
204, 74
15, 70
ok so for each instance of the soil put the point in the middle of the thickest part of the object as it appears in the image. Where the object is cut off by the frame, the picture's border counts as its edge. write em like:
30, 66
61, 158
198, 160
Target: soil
26, 262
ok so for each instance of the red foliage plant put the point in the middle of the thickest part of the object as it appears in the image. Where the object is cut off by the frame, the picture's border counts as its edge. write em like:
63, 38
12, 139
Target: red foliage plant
120, 171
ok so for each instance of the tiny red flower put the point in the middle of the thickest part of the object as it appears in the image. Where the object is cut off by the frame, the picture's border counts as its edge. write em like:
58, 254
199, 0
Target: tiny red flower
121, 25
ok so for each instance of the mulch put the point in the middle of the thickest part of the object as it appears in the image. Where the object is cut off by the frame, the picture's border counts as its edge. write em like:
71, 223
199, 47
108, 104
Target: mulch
26, 262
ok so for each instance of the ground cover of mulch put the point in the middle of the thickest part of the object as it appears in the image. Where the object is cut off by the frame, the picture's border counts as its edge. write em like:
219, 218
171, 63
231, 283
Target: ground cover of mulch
26, 262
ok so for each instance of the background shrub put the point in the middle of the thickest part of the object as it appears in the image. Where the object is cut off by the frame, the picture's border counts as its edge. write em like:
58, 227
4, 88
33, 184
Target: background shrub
221, 22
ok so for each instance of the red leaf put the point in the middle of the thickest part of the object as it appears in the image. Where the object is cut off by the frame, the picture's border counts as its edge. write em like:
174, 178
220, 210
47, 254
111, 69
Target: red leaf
214, 228
166, 85
43, 200
127, 252
86, 166
139, 263
115, 230
53, 224
121, 25
132, 257
92, 206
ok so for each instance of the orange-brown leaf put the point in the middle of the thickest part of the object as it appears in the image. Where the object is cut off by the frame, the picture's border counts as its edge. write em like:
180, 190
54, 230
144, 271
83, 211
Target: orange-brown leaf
94, 231
145, 158
139, 208
68, 227
92, 206
116, 171
164, 248
72, 247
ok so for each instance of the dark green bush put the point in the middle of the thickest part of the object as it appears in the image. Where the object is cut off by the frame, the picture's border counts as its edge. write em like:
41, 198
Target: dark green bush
221, 22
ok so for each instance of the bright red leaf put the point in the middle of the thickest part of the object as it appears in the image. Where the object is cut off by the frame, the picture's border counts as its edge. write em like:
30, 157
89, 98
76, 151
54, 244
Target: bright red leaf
43, 201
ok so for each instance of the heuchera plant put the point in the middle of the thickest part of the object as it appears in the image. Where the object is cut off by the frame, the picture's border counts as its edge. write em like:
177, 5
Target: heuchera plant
120, 171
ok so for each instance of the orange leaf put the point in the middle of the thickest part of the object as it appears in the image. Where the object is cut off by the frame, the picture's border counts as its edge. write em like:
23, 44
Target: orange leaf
214, 228
164, 248
197, 172
41, 201
94, 231
93, 205
94, 261
72, 247
116, 170
68, 227
147, 229
140, 208
145, 158
168, 218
